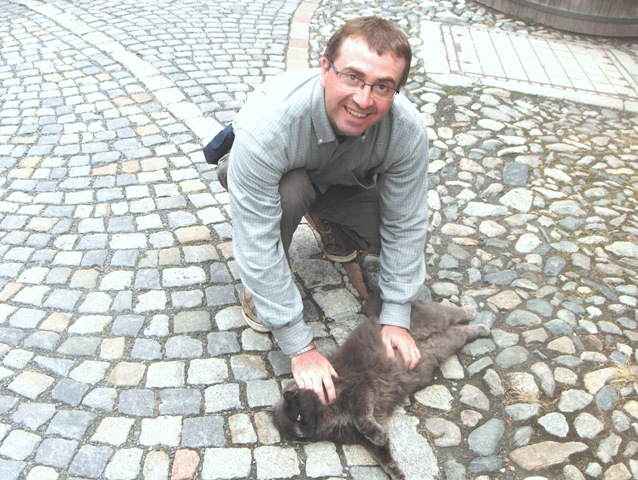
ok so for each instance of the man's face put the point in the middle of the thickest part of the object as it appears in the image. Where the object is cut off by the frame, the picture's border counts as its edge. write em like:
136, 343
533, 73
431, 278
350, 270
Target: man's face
353, 111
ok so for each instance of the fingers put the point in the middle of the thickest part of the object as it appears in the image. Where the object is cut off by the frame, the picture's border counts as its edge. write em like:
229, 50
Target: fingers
412, 356
415, 357
389, 349
312, 371
400, 339
330, 392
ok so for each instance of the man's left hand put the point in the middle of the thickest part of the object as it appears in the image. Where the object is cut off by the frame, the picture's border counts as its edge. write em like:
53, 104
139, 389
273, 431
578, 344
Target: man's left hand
400, 339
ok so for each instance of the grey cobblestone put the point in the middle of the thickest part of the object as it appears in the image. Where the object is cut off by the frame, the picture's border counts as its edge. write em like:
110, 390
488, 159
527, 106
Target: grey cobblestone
208, 431
90, 461
69, 391
140, 403
179, 401
56, 452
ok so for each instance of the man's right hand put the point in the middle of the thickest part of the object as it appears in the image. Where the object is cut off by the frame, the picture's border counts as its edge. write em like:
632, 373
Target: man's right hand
313, 371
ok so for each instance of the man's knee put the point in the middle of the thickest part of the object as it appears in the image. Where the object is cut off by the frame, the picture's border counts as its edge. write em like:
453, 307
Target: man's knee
222, 171
296, 191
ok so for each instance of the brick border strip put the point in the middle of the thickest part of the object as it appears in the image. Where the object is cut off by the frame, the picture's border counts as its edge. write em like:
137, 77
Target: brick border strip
298, 43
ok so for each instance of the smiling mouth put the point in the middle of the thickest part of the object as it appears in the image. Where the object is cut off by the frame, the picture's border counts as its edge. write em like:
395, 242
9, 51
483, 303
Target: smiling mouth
356, 114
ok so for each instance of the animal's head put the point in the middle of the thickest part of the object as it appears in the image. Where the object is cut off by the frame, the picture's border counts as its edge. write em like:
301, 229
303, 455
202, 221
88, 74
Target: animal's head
295, 414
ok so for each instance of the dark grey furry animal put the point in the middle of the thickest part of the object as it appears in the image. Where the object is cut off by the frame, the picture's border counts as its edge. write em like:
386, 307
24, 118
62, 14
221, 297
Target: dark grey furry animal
370, 385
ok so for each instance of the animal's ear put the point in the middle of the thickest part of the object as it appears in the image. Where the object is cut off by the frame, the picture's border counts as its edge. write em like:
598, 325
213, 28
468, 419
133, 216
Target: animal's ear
290, 395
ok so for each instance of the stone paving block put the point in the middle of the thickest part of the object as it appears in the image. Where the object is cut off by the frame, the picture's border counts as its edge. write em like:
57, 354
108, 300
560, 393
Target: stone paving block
11, 469
222, 397
90, 461
69, 391
19, 444
127, 325
198, 432
11, 336
156, 465
146, 349
96, 302
56, 452
90, 372
222, 343
42, 340
153, 301
58, 366
113, 430
70, 424
187, 299
252, 340
30, 384
183, 346
125, 464
220, 295
90, 324
165, 430
192, 321
241, 429
147, 279
322, 460
27, 318
207, 371
166, 374
137, 402
262, 393
183, 277
127, 374
42, 473
7, 403
248, 367
276, 462
17, 359
79, 346
179, 401
218, 273
228, 463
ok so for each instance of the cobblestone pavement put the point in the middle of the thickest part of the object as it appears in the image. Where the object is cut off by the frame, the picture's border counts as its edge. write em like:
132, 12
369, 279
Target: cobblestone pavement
122, 351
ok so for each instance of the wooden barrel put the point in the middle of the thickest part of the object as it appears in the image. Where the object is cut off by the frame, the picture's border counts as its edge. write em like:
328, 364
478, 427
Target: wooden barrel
609, 18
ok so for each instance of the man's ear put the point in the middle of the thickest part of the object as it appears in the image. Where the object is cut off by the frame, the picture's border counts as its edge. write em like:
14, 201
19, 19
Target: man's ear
325, 71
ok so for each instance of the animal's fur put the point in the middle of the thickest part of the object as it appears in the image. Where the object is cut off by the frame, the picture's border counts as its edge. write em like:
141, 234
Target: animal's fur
370, 385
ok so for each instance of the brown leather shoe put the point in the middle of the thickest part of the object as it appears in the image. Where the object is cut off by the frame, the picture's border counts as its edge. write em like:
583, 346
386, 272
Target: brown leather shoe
249, 313
330, 249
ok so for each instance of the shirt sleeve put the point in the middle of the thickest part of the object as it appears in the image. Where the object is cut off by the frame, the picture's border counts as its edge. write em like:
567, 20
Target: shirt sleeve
404, 227
254, 172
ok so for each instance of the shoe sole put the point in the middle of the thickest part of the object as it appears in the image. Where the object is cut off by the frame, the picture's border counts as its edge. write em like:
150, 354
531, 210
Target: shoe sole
341, 258
258, 327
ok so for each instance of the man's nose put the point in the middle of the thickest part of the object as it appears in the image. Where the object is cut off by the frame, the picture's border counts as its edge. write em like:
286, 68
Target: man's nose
363, 97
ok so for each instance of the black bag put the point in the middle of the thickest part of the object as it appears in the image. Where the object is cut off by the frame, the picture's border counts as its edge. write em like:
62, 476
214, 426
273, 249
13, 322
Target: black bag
219, 145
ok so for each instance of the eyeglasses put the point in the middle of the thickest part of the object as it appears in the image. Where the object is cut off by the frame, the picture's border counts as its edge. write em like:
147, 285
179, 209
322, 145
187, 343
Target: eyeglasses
378, 90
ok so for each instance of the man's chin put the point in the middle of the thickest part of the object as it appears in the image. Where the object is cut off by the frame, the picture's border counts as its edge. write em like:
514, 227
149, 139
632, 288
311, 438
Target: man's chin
352, 131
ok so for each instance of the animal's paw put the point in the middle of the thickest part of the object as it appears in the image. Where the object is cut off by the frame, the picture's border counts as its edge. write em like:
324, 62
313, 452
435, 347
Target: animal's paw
470, 312
482, 330
395, 471
378, 436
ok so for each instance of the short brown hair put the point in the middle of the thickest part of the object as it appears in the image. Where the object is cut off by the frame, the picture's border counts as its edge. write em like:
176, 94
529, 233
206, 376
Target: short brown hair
380, 35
